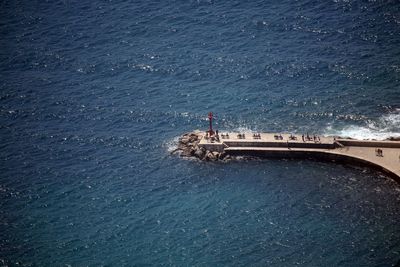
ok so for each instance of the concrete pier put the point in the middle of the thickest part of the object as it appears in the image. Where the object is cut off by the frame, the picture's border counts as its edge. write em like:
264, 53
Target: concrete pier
383, 155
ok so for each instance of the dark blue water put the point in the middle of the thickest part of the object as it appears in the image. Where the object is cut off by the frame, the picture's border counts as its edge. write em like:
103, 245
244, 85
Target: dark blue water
94, 93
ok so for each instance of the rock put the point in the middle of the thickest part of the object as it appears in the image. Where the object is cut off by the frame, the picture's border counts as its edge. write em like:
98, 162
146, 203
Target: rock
222, 156
209, 156
181, 146
188, 147
215, 155
199, 153
186, 152
175, 151
193, 139
184, 140
227, 158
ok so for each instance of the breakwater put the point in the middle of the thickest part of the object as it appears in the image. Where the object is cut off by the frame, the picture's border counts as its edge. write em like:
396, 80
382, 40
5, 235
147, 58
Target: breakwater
382, 155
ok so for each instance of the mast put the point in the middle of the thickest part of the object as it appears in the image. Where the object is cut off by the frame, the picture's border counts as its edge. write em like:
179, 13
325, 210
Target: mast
210, 117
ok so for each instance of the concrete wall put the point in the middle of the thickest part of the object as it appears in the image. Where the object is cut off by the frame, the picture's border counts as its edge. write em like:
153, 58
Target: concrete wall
316, 155
213, 147
349, 142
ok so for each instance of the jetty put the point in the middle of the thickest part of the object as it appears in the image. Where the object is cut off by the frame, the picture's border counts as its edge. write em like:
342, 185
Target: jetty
212, 145
382, 155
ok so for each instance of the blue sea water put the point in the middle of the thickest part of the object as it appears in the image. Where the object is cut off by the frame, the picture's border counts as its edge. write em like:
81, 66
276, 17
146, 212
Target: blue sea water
93, 95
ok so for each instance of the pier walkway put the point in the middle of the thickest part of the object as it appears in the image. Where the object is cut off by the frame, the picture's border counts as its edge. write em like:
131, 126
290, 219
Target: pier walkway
384, 155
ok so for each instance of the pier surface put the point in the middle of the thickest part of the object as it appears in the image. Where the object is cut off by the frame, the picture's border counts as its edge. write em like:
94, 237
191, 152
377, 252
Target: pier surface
384, 155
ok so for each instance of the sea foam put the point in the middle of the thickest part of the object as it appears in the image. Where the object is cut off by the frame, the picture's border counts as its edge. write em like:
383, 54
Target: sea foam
384, 127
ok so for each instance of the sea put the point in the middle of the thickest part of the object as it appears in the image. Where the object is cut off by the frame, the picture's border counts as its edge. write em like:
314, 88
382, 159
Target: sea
95, 94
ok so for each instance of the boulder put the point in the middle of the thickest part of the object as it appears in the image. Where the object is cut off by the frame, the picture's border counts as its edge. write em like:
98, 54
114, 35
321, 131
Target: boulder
227, 158
193, 139
188, 146
186, 152
215, 155
199, 153
222, 156
181, 146
209, 156
176, 150
184, 140
192, 151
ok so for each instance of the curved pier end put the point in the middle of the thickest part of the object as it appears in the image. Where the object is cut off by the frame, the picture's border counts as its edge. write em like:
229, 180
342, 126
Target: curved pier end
383, 155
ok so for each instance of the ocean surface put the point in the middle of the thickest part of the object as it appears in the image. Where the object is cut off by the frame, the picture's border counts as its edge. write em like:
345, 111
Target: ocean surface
94, 94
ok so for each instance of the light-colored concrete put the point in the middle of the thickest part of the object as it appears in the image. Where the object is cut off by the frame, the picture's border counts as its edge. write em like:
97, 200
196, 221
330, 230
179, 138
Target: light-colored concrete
359, 150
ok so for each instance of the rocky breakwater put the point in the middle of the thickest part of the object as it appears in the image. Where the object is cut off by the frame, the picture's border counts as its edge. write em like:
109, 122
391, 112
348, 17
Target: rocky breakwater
188, 146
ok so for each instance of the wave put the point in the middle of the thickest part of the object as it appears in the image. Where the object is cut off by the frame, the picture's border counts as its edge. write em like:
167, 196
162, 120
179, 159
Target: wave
383, 128
172, 144
242, 129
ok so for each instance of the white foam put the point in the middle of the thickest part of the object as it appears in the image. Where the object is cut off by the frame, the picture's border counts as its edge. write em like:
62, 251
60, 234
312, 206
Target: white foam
172, 144
363, 133
242, 129
386, 126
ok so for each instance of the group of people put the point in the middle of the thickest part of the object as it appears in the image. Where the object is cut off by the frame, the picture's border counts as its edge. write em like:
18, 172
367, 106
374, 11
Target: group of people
223, 136
307, 137
241, 136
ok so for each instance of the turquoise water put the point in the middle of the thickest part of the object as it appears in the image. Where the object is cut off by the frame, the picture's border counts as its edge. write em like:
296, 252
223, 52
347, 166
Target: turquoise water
93, 96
